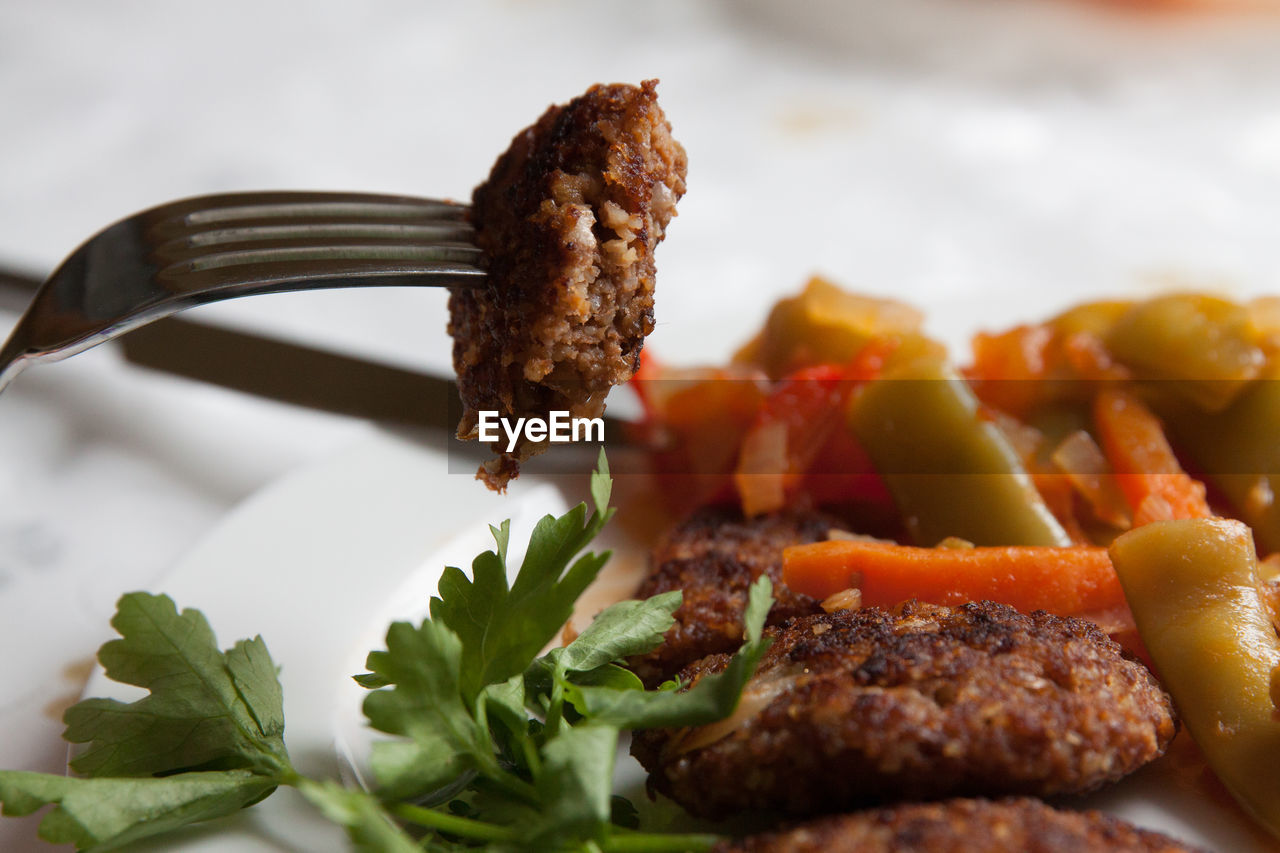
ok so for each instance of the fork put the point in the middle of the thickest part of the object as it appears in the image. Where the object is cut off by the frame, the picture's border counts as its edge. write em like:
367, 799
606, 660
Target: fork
206, 249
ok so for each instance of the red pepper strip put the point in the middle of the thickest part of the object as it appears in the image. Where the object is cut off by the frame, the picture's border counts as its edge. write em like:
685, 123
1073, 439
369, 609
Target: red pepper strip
797, 421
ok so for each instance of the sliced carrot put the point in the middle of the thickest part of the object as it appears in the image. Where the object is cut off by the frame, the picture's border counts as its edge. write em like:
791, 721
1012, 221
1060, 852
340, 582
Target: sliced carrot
1010, 369
1077, 581
1147, 470
1060, 497
1028, 367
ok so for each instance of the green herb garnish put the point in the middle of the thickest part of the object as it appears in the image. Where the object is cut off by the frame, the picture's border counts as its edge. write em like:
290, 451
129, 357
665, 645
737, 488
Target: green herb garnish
491, 744
205, 742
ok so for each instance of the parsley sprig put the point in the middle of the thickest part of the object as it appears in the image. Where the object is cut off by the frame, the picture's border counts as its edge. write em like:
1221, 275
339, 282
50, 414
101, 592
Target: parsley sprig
489, 743
206, 741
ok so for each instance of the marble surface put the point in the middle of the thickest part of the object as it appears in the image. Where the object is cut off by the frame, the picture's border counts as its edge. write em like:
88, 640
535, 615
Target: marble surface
1005, 158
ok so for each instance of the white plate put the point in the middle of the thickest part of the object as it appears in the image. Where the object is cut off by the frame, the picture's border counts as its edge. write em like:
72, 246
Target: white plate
320, 562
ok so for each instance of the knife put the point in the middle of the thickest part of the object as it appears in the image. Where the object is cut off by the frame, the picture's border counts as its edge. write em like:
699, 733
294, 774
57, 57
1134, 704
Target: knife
287, 372
275, 369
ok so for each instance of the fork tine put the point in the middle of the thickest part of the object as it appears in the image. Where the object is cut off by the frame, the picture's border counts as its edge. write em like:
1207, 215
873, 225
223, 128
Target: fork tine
281, 209
260, 229
209, 208
208, 243
177, 251
307, 210
304, 251
288, 237
336, 270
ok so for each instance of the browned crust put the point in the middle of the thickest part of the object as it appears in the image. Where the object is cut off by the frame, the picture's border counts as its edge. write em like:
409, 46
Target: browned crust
568, 220
1015, 825
923, 703
713, 557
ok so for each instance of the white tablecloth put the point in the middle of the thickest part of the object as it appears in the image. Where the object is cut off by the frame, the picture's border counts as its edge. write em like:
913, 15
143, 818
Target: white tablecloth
1032, 152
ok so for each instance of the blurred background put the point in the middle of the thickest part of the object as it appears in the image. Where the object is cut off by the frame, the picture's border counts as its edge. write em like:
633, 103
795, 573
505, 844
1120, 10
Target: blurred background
919, 148
988, 160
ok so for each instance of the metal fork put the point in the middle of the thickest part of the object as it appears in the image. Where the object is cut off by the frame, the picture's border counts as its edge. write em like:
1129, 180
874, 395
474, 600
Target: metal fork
210, 248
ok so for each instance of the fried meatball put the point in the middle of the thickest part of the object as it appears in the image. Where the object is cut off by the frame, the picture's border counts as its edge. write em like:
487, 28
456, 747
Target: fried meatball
568, 220
864, 706
1018, 825
713, 557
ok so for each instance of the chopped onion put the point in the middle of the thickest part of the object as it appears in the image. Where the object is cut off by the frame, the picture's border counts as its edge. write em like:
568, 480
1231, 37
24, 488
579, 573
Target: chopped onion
845, 599
1080, 459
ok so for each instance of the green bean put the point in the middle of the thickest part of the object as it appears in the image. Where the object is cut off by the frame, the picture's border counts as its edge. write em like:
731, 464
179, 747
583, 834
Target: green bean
1238, 452
1193, 587
951, 472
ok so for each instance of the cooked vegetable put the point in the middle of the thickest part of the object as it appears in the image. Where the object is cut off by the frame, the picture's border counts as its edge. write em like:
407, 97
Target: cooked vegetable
1238, 450
1208, 344
1032, 366
825, 325
1206, 365
796, 426
1091, 476
796, 420
1064, 581
1147, 470
1194, 588
695, 421
951, 472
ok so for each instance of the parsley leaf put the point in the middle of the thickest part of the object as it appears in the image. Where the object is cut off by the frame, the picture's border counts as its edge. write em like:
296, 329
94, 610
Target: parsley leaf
621, 630
503, 628
207, 709
206, 741
425, 705
576, 784
712, 698
368, 826
106, 813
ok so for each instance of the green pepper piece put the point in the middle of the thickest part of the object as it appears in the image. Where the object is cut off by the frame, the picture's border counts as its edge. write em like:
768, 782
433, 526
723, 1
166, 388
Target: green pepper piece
825, 325
1093, 318
1193, 588
1238, 451
1208, 343
951, 472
